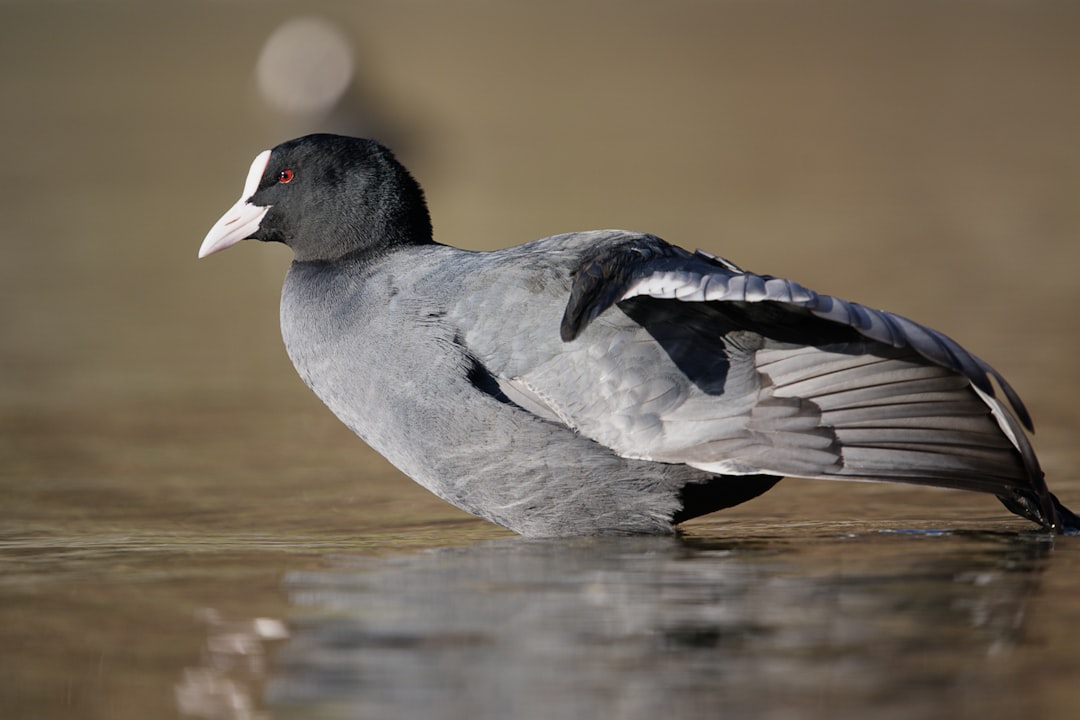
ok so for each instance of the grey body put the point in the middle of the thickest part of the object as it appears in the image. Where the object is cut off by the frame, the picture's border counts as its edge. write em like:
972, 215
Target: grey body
606, 382
390, 345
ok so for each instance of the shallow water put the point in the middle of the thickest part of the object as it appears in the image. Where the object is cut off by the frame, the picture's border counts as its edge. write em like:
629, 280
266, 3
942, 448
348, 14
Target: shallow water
769, 625
167, 481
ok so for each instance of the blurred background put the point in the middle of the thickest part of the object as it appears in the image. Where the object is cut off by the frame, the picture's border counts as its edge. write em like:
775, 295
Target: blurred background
154, 439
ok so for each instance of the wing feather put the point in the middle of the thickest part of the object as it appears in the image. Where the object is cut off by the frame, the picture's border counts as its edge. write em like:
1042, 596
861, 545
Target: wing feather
776, 378
665, 272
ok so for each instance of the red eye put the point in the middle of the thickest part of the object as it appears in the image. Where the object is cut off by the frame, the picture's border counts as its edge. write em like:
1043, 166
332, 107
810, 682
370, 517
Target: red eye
285, 176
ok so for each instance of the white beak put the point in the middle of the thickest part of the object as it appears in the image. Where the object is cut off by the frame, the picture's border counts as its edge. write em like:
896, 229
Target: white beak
242, 219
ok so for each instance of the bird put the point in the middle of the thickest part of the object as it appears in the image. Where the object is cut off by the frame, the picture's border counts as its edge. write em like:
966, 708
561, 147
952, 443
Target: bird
606, 381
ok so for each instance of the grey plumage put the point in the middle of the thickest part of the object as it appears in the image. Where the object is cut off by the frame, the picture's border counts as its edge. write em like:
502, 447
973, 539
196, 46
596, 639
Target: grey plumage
607, 382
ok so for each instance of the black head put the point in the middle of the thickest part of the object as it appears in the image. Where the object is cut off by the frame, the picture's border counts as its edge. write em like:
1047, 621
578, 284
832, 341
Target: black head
326, 196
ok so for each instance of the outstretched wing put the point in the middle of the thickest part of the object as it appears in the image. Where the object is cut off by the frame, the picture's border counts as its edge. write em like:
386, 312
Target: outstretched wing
771, 377
648, 266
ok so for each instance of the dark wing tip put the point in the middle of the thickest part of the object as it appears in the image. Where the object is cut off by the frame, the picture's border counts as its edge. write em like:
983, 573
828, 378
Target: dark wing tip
1043, 508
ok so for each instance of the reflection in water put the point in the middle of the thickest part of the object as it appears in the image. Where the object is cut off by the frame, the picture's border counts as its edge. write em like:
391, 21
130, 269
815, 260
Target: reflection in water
233, 664
897, 625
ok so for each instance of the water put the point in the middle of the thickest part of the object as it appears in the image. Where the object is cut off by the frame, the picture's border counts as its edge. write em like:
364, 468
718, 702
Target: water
769, 625
174, 501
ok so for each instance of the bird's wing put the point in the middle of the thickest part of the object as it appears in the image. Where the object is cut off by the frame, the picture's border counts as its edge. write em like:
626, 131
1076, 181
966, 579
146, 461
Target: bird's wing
647, 266
738, 373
